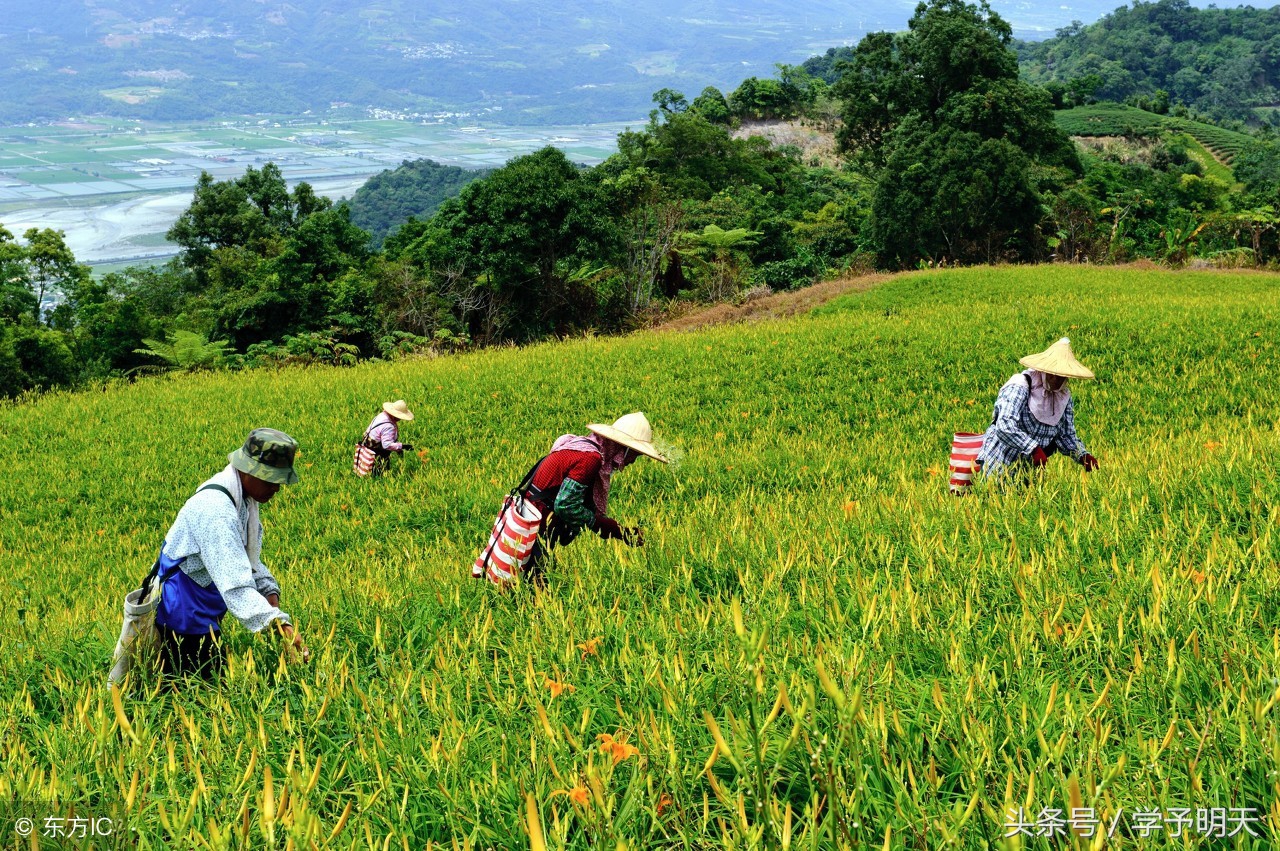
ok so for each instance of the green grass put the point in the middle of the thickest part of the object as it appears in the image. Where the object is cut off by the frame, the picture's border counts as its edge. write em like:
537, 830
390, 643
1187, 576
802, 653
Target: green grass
883, 664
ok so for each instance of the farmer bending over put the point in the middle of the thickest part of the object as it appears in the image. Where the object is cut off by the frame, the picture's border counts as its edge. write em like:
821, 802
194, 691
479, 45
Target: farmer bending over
572, 485
1034, 416
383, 434
211, 559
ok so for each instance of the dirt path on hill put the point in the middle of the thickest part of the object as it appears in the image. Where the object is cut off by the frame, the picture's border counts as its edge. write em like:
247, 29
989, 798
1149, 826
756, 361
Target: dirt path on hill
776, 306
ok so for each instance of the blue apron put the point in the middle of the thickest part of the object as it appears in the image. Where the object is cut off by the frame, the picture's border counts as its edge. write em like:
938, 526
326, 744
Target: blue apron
185, 607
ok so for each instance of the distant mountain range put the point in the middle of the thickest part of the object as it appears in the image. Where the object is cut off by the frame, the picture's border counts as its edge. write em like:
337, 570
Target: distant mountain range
520, 61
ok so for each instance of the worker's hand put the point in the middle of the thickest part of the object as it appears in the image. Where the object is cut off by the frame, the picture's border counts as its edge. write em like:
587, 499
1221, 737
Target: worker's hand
1039, 458
274, 600
296, 646
406, 447
1088, 462
633, 537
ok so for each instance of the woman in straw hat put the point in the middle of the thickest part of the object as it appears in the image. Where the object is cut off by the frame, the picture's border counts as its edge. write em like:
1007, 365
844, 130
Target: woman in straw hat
1034, 416
383, 434
571, 485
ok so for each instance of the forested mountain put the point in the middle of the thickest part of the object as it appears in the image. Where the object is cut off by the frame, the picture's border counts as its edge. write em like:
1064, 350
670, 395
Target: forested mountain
538, 61
414, 190
1221, 62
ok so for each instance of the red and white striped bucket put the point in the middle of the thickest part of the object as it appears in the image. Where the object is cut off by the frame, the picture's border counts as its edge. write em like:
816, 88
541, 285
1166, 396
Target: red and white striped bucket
510, 543
964, 453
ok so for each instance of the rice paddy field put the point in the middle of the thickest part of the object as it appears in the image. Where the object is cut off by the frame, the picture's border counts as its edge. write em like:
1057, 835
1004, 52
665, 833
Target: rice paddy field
817, 647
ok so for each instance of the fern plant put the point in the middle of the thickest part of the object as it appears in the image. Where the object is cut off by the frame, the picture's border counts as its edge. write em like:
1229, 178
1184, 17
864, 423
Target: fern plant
186, 351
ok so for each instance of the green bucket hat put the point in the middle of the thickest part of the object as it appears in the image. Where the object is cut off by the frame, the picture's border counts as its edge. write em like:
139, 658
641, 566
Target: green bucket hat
267, 454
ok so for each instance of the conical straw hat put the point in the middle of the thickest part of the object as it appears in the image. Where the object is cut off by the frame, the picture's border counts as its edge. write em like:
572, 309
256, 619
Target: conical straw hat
1058, 360
398, 409
634, 431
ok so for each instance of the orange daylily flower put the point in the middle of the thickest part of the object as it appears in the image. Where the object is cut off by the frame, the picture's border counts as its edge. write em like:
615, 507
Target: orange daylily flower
557, 688
578, 794
664, 801
590, 647
1212, 445
934, 470
849, 506
618, 750
1197, 577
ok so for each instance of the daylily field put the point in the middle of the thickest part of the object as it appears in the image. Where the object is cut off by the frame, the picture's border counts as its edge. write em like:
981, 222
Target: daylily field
818, 646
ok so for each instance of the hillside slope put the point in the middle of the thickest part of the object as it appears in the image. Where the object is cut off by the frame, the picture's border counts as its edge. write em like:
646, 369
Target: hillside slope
1114, 119
802, 557
1220, 61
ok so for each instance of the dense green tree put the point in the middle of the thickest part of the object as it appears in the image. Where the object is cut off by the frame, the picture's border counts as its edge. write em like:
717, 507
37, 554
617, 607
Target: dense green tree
16, 297
221, 215
12, 378
1258, 168
108, 324
712, 105
961, 149
51, 268
520, 233
951, 194
669, 101
255, 212
43, 358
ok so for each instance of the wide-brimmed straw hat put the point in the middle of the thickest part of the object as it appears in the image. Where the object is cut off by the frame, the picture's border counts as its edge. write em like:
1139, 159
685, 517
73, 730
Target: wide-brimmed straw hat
398, 409
634, 431
1058, 360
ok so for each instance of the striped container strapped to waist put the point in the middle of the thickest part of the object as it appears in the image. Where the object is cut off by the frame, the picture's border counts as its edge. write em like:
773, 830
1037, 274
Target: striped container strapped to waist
965, 447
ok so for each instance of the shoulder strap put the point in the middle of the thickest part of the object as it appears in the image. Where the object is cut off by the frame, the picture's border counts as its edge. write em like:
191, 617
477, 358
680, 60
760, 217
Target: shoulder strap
155, 568
528, 478
376, 424
1027, 378
213, 487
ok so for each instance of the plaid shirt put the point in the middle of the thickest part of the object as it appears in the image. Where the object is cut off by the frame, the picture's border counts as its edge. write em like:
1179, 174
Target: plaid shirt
1014, 433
